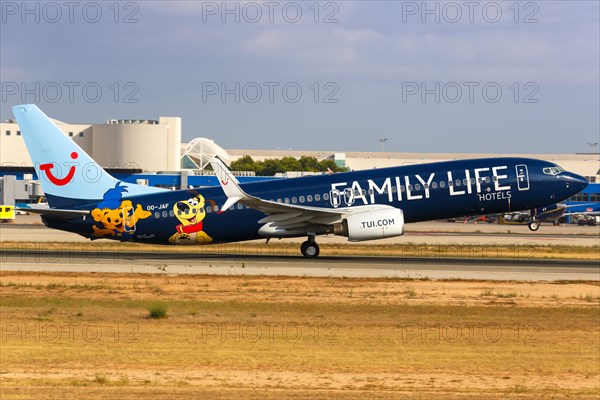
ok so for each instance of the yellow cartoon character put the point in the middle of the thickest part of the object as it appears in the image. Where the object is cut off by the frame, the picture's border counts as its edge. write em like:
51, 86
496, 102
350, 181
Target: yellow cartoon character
118, 218
190, 213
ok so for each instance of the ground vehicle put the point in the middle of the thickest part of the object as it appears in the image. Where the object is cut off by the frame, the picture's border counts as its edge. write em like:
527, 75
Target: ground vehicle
588, 220
7, 214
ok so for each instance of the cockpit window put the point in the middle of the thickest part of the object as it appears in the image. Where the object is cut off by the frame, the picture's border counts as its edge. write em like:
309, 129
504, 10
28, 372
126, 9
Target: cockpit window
553, 170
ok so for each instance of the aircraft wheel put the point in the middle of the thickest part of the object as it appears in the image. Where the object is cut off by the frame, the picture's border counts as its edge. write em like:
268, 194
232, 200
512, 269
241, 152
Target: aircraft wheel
310, 249
534, 225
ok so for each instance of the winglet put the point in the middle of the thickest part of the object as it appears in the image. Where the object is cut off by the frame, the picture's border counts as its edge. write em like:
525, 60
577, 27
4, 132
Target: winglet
229, 184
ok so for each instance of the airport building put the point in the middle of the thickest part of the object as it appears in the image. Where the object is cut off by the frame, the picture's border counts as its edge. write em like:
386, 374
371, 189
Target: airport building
120, 144
151, 152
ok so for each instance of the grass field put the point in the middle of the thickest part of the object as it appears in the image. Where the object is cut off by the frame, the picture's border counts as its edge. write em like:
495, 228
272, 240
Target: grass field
126, 336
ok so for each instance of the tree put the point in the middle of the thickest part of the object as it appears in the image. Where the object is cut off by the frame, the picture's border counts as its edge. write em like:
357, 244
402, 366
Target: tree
289, 164
272, 166
245, 163
310, 164
269, 167
324, 164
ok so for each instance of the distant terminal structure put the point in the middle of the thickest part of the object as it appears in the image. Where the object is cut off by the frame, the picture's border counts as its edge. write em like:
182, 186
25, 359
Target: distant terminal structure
147, 145
151, 152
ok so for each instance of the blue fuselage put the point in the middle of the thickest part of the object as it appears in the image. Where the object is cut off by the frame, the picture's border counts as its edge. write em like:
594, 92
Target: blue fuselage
423, 192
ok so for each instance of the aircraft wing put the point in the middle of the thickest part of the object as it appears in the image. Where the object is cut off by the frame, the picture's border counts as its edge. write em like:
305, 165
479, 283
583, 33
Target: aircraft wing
280, 216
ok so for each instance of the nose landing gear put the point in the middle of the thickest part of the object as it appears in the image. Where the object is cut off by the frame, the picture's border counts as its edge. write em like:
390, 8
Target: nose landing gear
310, 248
534, 224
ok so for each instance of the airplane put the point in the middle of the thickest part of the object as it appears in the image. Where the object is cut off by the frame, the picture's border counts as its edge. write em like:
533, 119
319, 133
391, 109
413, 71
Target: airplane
361, 205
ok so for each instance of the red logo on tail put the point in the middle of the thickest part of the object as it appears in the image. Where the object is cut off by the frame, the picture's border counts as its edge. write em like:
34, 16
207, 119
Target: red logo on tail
59, 181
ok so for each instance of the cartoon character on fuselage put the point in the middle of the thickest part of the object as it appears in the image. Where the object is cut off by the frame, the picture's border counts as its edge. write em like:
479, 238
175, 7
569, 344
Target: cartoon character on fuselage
117, 217
190, 213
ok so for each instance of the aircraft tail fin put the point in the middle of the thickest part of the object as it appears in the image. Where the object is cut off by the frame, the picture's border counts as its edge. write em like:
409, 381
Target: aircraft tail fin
69, 176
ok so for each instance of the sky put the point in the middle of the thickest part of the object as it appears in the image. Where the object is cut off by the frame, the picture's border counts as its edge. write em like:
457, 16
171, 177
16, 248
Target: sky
435, 76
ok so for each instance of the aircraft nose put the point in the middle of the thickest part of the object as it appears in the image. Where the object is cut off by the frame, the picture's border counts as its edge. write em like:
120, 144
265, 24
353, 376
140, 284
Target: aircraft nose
575, 183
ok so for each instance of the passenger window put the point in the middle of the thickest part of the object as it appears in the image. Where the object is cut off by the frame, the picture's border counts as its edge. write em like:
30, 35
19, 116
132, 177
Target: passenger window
171, 213
410, 187
433, 185
279, 200
157, 215
287, 200
417, 187
294, 200
326, 196
402, 188
442, 184
457, 182
465, 182
301, 199
317, 197
309, 198
208, 210
165, 214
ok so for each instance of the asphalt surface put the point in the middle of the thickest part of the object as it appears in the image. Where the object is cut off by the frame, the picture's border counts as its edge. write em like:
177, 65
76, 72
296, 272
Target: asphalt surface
424, 232
62, 256
112, 260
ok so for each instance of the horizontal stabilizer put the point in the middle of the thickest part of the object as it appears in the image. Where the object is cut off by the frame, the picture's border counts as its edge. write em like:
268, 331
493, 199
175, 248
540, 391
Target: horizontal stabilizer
56, 213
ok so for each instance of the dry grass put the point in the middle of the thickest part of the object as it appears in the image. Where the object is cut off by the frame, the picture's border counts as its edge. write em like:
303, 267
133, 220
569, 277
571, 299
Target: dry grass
88, 336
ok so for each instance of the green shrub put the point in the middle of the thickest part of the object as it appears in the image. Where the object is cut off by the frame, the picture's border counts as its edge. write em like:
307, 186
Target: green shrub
158, 311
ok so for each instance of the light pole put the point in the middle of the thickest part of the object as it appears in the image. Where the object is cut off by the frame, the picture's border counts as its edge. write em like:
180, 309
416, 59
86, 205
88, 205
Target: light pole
382, 141
593, 146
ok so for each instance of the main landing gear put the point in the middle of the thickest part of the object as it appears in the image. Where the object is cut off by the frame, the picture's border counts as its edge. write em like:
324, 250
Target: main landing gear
310, 248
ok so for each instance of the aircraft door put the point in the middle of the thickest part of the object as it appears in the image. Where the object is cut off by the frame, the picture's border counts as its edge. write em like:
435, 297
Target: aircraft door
522, 177
335, 197
349, 196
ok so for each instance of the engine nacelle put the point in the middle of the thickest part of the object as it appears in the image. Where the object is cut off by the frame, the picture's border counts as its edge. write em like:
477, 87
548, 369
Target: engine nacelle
370, 225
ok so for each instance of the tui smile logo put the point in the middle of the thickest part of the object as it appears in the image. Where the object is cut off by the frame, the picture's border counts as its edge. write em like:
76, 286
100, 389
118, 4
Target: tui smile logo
59, 181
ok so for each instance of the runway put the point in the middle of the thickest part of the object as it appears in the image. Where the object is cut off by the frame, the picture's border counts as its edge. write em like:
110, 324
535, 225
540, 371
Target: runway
66, 254
64, 260
420, 233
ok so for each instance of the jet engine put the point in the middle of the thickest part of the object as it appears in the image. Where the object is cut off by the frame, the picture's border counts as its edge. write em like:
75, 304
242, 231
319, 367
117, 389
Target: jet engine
370, 225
